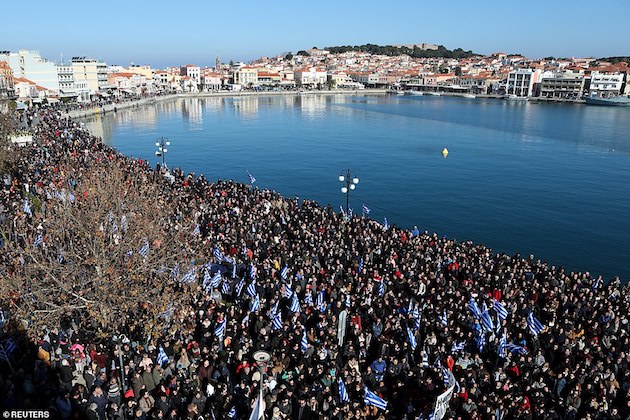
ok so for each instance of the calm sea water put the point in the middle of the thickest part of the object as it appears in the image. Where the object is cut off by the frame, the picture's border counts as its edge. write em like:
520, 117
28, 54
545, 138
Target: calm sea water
551, 180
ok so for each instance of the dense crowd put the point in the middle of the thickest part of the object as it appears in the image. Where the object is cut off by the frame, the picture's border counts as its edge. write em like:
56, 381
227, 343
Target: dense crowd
332, 300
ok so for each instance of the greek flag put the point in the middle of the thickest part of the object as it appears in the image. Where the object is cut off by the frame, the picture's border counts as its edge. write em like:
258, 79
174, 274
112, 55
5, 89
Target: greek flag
412, 339
385, 224
361, 264
251, 178
277, 322
284, 272
207, 279
71, 197
474, 308
481, 342
381, 287
228, 259
251, 289
425, 360
255, 304
348, 302
39, 240
225, 287
343, 394
342, 210
197, 230
486, 321
446, 377
416, 317
216, 280
444, 319
252, 271
219, 331
308, 298
123, 222
295, 304
502, 313
366, 209
27, 208
162, 357
457, 347
371, 398
287, 291
513, 348
535, 327
502, 344
218, 255
190, 276
144, 250
304, 342
114, 228
321, 305
597, 283
232, 413
239, 287
350, 212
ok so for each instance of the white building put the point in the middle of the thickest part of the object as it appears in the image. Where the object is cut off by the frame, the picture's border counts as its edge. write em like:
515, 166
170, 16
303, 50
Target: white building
606, 84
311, 77
193, 72
30, 65
521, 82
92, 71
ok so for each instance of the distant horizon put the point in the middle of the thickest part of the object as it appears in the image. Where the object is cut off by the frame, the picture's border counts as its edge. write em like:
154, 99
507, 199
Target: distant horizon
170, 35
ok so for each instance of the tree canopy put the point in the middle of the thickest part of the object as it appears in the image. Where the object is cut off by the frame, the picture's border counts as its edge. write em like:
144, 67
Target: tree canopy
391, 50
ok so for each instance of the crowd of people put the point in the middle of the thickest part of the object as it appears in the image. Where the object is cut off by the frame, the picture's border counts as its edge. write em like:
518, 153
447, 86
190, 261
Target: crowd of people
360, 320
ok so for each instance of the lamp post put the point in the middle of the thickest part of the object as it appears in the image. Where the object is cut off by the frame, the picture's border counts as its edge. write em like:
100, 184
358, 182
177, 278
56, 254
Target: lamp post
161, 144
262, 358
350, 184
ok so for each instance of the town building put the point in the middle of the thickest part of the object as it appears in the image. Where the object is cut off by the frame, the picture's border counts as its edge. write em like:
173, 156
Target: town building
246, 76
30, 65
562, 86
193, 73
93, 72
521, 82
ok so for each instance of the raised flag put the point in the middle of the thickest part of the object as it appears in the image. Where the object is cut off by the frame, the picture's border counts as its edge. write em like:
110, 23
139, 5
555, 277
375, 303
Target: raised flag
251, 289
501, 311
417, 319
295, 304
39, 240
481, 342
251, 178
444, 319
513, 348
255, 304
144, 250
284, 272
190, 276
219, 331
486, 321
381, 287
252, 272
457, 347
425, 359
225, 287
502, 344
321, 303
535, 327
27, 207
361, 264
308, 297
412, 339
216, 280
162, 357
366, 210
258, 413
277, 322
304, 342
218, 255
474, 308
197, 230
385, 224
348, 301
343, 393
239, 287
372, 399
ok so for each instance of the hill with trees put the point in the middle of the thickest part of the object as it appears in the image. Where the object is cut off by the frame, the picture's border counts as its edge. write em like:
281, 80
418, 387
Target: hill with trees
392, 50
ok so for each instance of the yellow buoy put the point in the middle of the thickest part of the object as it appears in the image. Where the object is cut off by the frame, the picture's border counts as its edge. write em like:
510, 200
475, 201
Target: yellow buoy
445, 152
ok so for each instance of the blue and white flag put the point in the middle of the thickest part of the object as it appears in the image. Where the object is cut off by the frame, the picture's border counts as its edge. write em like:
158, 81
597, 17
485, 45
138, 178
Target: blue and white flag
486, 321
481, 342
321, 303
412, 339
417, 319
366, 210
348, 301
225, 287
197, 230
114, 228
446, 377
219, 331
381, 287
501, 311
162, 357
216, 280
342, 210
457, 347
284, 272
371, 398
502, 344
71, 197
218, 255
343, 394
513, 348
444, 319
277, 322
239, 287
251, 289
287, 291
361, 264
535, 327
251, 178
425, 360
255, 304
295, 304
27, 208
39, 240
190, 276
123, 223
144, 250
304, 342
385, 224
308, 298
207, 280
232, 413
253, 271
474, 308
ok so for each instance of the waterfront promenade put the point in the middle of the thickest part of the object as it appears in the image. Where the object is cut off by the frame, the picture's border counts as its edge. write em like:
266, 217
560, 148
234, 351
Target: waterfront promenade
343, 306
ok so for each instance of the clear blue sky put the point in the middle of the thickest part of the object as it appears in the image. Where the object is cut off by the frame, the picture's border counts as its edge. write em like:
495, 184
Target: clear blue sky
163, 33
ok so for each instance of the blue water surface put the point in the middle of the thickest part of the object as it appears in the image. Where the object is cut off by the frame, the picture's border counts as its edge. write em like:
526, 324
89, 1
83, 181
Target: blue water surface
551, 180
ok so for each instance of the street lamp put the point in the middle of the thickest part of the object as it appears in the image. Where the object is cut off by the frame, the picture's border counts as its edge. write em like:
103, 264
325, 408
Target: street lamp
161, 144
350, 184
262, 358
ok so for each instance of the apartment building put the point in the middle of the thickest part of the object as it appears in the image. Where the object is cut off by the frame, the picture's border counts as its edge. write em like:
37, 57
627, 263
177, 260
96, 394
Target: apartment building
93, 72
30, 65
